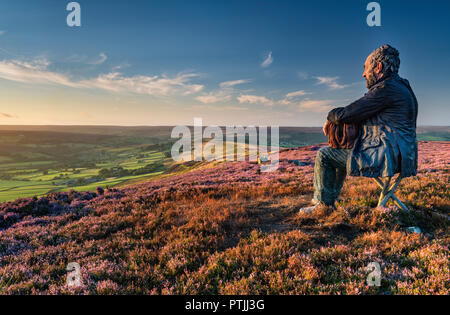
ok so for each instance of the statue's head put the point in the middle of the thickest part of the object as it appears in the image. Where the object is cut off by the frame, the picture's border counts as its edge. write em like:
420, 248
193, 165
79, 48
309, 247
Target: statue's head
382, 62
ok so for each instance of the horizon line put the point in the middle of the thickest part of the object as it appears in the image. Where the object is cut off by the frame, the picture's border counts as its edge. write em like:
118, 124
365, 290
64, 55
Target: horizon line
133, 126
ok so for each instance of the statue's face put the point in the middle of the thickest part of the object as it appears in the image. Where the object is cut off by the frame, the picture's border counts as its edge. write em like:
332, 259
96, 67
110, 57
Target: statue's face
369, 74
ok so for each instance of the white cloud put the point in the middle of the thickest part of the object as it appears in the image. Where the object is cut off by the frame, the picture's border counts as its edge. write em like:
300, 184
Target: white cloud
122, 66
76, 58
2, 32
214, 97
155, 85
101, 59
318, 106
218, 108
331, 82
230, 84
306, 105
268, 61
297, 94
286, 102
290, 98
37, 72
32, 72
253, 99
223, 95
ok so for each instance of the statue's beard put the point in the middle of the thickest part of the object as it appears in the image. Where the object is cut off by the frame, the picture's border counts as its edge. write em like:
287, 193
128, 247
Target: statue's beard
371, 79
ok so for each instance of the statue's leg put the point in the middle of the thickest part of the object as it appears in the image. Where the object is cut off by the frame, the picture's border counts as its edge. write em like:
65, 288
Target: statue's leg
329, 174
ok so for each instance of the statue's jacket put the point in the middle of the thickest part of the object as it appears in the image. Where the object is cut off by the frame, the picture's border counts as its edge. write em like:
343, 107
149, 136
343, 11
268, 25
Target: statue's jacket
387, 141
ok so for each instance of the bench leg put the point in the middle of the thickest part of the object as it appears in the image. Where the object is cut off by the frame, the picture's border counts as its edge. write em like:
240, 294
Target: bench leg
400, 204
384, 193
388, 192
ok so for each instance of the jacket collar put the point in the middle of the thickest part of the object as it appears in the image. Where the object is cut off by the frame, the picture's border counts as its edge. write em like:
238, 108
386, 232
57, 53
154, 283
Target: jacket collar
392, 76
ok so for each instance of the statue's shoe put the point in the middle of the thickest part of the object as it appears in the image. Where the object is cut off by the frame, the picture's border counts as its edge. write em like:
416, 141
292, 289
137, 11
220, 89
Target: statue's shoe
308, 210
316, 206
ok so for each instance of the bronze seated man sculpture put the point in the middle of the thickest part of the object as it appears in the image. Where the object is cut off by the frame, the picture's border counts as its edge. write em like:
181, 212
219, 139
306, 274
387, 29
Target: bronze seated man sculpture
374, 136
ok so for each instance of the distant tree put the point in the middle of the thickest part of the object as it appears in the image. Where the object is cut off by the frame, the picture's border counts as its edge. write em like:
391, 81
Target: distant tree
100, 191
5, 176
104, 173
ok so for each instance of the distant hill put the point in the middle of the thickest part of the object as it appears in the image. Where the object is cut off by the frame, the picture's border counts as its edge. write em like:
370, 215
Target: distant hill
226, 228
289, 136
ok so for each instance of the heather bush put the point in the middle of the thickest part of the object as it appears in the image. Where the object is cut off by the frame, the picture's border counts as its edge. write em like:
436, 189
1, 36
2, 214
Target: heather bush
225, 228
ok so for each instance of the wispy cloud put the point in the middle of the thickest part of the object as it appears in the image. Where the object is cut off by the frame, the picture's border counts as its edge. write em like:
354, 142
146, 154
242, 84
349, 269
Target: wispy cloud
155, 85
230, 84
331, 82
297, 94
214, 97
122, 66
101, 59
306, 105
224, 94
318, 106
32, 72
218, 108
37, 72
292, 98
2, 32
254, 99
268, 61
5, 115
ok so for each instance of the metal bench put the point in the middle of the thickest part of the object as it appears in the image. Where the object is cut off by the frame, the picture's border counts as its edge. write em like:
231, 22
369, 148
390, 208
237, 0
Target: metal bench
388, 188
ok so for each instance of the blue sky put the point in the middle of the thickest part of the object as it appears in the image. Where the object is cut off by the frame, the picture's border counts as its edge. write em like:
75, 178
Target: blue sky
249, 62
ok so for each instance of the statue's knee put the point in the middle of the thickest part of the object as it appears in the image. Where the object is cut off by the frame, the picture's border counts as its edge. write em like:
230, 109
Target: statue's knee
322, 155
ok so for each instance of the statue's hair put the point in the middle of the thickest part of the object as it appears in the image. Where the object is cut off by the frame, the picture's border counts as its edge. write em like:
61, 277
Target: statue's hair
388, 56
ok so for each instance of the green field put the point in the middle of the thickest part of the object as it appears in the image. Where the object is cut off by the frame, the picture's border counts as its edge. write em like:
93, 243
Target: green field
38, 162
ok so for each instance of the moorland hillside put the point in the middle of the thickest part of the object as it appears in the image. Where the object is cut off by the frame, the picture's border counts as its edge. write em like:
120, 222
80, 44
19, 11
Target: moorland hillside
227, 228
